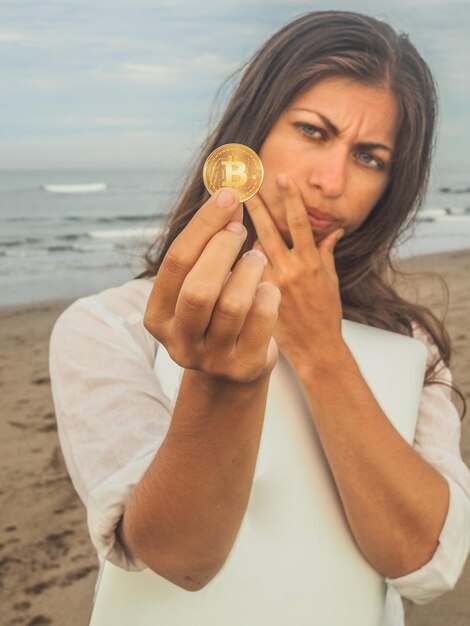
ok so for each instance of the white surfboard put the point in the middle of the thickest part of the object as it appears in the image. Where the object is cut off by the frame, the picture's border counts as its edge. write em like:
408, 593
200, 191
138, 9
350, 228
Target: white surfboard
295, 560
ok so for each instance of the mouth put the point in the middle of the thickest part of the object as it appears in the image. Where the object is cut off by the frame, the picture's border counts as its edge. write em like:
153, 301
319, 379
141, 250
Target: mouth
319, 215
319, 220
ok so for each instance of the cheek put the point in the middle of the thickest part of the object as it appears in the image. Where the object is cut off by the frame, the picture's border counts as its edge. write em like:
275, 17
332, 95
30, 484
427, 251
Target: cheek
367, 195
274, 155
269, 195
269, 192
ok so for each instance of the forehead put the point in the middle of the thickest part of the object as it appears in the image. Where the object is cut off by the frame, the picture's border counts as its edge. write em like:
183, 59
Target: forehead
350, 105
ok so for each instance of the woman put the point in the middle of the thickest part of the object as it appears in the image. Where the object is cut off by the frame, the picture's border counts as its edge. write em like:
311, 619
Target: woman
341, 110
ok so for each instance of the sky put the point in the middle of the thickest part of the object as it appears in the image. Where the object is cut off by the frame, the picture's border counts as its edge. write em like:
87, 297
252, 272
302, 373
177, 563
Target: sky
133, 84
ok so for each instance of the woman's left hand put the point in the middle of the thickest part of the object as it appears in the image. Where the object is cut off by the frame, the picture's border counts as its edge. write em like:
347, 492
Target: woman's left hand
310, 313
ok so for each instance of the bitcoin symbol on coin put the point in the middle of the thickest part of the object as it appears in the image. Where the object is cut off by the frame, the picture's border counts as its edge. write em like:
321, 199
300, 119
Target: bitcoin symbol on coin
233, 165
235, 173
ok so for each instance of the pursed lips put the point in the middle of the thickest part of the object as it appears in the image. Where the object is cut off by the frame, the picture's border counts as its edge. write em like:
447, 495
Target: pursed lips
319, 215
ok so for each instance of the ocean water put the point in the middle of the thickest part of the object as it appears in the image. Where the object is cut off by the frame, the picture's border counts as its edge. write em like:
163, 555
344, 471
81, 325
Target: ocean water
70, 233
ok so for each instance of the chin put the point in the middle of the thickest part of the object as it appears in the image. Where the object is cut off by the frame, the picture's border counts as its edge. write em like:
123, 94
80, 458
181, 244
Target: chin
319, 235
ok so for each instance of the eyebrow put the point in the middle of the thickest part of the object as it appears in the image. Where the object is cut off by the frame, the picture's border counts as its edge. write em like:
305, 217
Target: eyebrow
335, 132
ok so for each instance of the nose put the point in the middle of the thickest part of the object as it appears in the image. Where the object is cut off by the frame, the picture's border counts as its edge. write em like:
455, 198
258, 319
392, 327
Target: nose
328, 172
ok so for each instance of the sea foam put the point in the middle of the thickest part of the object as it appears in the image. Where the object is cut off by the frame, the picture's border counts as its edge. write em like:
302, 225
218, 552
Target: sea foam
76, 188
126, 233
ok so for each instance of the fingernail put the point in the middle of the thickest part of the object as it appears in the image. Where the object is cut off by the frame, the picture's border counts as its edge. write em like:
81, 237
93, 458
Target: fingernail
257, 254
225, 198
283, 181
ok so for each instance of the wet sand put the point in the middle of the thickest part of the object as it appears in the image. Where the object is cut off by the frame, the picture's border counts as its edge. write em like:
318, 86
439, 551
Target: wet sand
48, 566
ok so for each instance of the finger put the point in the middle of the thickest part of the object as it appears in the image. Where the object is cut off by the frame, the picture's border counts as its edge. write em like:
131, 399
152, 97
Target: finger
236, 299
203, 284
261, 320
297, 217
267, 231
268, 273
327, 248
257, 246
187, 247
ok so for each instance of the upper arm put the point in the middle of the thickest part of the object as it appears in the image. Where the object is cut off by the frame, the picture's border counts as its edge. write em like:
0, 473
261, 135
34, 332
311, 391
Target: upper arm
111, 412
437, 440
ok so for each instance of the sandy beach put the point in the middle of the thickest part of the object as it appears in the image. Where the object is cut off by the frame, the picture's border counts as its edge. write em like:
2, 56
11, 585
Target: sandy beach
48, 566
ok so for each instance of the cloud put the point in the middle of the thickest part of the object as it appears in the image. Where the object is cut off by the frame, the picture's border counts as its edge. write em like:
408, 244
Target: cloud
182, 71
88, 73
135, 149
103, 122
147, 73
214, 62
12, 37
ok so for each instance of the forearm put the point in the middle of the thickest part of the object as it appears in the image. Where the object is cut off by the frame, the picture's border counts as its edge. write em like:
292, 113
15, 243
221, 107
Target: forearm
185, 513
395, 502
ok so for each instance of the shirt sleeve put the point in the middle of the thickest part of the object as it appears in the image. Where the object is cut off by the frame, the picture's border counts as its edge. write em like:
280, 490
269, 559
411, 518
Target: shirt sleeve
437, 440
111, 412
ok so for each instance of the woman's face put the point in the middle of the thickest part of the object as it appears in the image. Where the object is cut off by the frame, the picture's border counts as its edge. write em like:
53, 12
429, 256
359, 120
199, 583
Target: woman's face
335, 142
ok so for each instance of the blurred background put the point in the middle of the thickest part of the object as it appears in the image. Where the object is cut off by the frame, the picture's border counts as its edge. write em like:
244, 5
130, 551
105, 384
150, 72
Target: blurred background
103, 107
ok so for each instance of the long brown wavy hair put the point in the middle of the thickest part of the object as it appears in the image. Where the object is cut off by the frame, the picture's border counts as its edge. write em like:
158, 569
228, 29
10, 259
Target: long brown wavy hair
315, 46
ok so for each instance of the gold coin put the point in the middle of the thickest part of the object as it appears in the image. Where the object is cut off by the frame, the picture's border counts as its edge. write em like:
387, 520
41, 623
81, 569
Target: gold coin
233, 165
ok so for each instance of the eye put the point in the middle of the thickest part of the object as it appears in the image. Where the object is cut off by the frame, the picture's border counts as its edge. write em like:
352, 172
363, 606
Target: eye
309, 130
319, 134
372, 161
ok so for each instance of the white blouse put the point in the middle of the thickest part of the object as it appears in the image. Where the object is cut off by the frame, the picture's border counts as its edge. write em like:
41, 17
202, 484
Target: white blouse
112, 416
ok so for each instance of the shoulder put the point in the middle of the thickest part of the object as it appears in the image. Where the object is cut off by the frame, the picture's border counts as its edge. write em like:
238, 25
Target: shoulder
122, 301
98, 320
436, 397
116, 305
433, 352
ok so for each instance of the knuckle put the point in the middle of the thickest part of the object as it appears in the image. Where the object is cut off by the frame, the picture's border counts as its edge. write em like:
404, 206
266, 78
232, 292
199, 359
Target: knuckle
297, 221
291, 276
216, 371
153, 328
196, 296
246, 368
231, 308
267, 232
182, 356
148, 325
206, 218
212, 365
286, 278
175, 261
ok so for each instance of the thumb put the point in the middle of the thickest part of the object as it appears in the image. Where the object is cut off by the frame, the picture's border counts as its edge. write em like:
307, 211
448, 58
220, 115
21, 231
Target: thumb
330, 242
328, 247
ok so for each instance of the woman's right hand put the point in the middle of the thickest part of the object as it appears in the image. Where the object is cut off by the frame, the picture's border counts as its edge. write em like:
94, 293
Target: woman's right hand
209, 318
